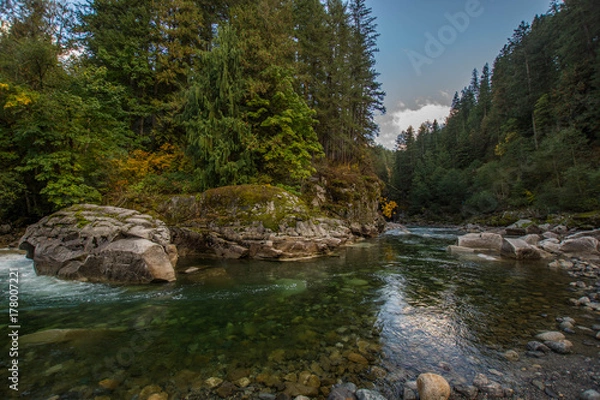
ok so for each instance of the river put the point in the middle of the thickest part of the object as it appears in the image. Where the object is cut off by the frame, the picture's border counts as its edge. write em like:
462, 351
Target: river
400, 301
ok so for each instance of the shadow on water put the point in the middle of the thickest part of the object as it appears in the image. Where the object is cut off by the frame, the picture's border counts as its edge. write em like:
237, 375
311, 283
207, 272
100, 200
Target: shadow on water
400, 300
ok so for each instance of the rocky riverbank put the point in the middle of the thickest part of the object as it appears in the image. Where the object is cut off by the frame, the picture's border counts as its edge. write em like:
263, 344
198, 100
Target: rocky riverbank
555, 364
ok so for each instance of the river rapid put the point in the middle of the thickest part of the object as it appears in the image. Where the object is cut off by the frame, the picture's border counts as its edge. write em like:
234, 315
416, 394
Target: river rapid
378, 314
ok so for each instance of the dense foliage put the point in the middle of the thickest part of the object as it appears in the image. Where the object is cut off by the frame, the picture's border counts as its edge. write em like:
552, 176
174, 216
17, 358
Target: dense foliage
526, 135
116, 98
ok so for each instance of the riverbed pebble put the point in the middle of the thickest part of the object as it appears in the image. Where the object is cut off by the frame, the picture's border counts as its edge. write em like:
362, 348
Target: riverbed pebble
343, 392
590, 395
560, 346
158, 396
468, 391
492, 389
433, 387
366, 394
511, 355
537, 346
409, 394
213, 382
550, 336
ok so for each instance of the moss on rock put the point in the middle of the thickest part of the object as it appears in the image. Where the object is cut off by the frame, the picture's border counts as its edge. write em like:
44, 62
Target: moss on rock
241, 206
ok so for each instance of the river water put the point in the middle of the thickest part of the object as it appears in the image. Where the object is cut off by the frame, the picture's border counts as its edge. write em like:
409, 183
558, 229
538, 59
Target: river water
400, 301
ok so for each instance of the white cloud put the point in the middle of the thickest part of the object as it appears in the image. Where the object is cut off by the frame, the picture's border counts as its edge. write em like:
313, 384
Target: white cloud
402, 119
399, 120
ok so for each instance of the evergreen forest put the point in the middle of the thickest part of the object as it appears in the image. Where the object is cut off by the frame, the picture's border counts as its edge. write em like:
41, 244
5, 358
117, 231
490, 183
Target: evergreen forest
523, 135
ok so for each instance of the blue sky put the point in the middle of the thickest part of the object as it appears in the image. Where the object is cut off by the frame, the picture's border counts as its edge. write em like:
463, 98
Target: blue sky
428, 49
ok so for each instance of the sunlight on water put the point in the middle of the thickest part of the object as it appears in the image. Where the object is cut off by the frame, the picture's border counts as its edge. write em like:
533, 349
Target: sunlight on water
400, 301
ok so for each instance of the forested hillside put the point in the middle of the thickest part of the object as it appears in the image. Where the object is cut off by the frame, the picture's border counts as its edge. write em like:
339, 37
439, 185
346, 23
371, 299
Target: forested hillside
524, 134
119, 98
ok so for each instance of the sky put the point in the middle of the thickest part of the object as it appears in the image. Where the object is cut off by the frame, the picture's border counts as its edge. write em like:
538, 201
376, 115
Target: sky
429, 48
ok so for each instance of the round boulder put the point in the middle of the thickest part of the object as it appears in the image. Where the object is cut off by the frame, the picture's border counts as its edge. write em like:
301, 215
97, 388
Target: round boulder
433, 387
101, 244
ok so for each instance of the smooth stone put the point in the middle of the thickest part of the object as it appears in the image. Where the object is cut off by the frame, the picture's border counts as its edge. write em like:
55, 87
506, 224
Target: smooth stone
301, 398
537, 347
493, 389
365, 394
226, 390
297, 389
519, 249
243, 382
110, 384
357, 358
341, 394
470, 392
344, 391
433, 387
584, 301
480, 380
49, 336
566, 325
511, 355
538, 384
267, 396
481, 241
560, 346
149, 390
550, 336
213, 382
551, 393
567, 319
589, 395
409, 394
159, 396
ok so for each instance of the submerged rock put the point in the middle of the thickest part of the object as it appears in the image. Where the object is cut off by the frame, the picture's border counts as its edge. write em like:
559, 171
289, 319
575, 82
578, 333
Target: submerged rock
365, 394
344, 391
50, 336
101, 244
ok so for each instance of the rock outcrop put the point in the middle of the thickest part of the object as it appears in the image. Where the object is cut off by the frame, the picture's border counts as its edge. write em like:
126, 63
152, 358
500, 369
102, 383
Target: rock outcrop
261, 222
101, 244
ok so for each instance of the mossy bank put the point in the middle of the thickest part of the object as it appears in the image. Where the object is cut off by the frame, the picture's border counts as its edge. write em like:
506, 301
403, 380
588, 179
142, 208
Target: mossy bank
256, 221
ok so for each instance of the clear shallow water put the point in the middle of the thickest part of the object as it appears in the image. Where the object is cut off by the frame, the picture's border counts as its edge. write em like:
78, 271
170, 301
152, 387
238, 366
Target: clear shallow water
400, 300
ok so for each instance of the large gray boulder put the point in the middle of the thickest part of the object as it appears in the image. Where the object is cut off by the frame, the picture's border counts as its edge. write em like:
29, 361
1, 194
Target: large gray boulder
520, 250
550, 245
486, 241
580, 245
101, 244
